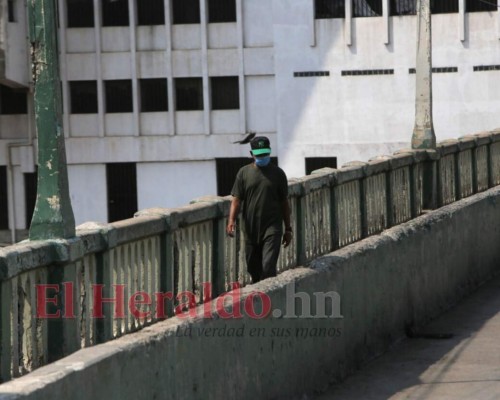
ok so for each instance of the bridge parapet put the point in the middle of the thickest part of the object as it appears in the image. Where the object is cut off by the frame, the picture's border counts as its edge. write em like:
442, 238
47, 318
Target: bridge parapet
184, 252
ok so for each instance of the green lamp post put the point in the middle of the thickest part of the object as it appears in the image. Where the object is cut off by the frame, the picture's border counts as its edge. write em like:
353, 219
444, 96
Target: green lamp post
423, 132
53, 215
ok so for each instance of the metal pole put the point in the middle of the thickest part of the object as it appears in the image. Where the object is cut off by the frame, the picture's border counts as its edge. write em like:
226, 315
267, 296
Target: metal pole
423, 133
53, 215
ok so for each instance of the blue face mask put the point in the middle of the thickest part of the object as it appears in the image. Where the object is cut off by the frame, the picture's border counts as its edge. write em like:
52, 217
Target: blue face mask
262, 161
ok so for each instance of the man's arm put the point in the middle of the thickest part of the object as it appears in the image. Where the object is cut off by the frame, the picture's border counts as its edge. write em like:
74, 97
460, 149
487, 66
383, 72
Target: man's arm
287, 236
233, 214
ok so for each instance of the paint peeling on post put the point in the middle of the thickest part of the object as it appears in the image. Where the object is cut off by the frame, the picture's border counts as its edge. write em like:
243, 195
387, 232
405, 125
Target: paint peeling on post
423, 133
53, 215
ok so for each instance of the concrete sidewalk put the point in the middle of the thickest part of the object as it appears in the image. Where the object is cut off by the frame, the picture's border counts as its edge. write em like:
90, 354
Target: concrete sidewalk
467, 366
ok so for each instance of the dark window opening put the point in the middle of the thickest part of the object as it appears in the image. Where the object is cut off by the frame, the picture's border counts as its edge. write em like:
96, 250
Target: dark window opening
486, 68
186, 11
366, 8
409, 7
121, 181
11, 11
444, 6
364, 72
221, 10
115, 13
226, 170
329, 9
188, 94
4, 204
153, 95
150, 12
481, 5
118, 96
13, 101
30, 188
80, 13
225, 93
83, 95
314, 163
403, 7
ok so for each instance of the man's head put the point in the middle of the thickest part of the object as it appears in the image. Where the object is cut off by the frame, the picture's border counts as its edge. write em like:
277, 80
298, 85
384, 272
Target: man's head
260, 146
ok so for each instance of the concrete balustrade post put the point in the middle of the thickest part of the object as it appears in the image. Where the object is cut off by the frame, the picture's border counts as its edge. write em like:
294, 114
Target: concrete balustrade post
301, 226
494, 158
55, 325
5, 330
430, 181
71, 326
334, 217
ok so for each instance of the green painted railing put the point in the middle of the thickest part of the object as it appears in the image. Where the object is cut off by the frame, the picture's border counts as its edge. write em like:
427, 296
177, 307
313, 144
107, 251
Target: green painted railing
184, 252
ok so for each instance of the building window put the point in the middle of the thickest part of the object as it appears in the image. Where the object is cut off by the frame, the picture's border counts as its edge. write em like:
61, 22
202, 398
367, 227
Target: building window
11, 10
4, 210
366, 8
150, 12
226, 170
13, 101
314, 163
83, 96
186, 11
444, 6
481, 5
30, 188
188, 94
115, 13
153, 94
329, 9
225, 93
118, 96
403, 7
80, 13
121, 179
221, 10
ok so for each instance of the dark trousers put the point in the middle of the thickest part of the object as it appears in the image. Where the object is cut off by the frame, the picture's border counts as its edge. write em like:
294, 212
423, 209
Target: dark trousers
262, 257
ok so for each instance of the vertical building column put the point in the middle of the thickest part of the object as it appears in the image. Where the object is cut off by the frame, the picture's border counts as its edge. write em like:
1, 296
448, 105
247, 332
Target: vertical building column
385, 16
461, 20
498, 19
64, 73
348, 22
241, 68
98, 59
204, 66
132, 12
312, 24
169, 66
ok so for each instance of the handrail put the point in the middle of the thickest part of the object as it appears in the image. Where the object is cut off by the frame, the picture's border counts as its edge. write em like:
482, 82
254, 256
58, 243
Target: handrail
184, 251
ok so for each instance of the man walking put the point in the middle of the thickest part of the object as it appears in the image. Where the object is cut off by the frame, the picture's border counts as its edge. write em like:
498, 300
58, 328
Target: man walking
261, 192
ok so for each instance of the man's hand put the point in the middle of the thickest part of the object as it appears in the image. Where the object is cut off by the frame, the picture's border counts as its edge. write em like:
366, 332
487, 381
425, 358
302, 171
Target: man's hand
287, 238
231, 228
233, 214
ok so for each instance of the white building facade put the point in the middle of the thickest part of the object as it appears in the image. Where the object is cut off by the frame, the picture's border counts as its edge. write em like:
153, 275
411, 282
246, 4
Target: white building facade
155, 92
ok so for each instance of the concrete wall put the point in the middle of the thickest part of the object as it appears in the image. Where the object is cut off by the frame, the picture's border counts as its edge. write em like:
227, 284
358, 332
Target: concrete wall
405, 276
351, 117
157, 183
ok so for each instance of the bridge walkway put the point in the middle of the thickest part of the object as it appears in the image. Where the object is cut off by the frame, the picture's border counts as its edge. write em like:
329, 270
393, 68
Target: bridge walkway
465, 366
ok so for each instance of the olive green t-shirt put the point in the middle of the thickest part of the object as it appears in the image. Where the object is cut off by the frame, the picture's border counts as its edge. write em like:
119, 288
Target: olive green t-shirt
262, 191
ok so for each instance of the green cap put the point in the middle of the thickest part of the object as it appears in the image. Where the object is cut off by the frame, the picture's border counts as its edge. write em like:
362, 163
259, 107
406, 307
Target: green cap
260, 145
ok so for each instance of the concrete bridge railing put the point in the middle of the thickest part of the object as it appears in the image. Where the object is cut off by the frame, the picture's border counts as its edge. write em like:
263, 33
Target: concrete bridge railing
60, 296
